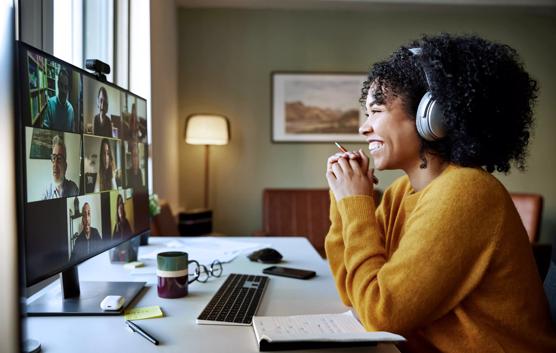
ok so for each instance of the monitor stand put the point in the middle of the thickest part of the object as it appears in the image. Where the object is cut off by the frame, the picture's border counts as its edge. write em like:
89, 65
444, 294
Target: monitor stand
82, 298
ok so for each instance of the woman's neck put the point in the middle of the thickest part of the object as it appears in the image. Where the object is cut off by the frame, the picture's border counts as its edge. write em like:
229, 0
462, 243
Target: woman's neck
421, 177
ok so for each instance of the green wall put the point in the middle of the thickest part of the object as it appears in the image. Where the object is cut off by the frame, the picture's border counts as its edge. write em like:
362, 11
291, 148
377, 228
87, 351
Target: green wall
225, 59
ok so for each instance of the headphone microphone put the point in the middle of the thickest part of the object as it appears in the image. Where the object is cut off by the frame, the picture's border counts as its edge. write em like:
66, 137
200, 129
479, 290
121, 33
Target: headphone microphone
430, 116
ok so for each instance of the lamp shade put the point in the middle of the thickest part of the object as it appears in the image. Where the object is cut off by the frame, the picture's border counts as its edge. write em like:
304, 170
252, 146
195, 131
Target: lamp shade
207, 129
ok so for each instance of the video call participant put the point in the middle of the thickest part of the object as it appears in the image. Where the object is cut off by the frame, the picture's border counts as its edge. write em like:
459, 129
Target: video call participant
106, 175
133, 123
134, 174
89, 240
122, 228
59, 186
59, 111
444, 259
102, 125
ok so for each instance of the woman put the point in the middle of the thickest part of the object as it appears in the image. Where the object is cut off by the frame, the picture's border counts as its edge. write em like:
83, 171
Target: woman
122, 231
122, 228
106, 179
444, 260
102, 124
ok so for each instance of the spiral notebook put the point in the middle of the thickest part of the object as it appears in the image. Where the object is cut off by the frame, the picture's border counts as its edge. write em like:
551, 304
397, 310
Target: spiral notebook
275, 333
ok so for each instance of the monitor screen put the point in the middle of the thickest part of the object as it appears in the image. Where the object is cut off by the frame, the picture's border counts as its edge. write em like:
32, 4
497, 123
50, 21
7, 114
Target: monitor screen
83, 164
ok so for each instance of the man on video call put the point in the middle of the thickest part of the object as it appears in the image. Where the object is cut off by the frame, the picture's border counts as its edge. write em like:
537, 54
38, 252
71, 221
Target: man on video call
59, 186
59, 111
102, 124
88, 241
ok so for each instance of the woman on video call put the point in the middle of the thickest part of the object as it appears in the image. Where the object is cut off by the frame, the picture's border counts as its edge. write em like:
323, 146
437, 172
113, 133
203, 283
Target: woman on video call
122, 231
122, 228
444, 259
106, 178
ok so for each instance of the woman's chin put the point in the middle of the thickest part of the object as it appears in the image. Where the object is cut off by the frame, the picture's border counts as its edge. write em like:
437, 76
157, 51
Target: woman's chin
378, 164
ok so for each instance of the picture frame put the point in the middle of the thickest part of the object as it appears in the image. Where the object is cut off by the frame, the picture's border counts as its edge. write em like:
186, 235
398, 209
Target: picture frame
316, 106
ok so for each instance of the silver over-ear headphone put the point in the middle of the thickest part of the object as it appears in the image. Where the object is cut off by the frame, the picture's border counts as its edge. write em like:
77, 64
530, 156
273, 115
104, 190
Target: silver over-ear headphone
430, 116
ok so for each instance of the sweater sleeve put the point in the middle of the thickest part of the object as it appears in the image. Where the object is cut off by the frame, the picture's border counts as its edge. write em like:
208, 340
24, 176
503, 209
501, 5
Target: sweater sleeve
334, 247
447, 243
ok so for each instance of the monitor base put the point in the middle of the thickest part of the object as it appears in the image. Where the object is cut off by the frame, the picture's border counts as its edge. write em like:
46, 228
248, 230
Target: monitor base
52, 303
31, 346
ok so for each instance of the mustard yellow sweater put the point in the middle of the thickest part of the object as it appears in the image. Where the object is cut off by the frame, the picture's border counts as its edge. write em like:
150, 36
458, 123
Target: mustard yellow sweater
449, 267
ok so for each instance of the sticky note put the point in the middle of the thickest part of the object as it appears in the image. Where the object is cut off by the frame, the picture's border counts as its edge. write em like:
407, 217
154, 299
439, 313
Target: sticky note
149, 312
134, 264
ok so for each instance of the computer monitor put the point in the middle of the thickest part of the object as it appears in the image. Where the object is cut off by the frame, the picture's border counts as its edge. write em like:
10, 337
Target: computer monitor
82, 177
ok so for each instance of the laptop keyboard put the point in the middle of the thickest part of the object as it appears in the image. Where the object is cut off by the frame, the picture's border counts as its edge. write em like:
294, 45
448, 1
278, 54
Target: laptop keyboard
235, 302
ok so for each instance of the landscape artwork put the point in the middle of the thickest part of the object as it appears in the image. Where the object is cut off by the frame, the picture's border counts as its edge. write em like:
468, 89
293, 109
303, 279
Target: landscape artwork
316, 107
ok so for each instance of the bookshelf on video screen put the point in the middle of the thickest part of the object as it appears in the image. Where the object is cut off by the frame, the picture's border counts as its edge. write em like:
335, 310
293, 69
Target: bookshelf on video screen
84, 167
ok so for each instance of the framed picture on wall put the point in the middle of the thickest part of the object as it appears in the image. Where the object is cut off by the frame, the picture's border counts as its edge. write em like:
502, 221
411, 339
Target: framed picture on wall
316, 107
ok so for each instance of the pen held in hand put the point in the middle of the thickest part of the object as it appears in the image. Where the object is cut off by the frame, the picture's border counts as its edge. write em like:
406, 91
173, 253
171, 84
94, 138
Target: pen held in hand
342, 149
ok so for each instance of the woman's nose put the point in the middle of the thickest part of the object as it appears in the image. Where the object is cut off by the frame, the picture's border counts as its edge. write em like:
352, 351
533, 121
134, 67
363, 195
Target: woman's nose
366, 127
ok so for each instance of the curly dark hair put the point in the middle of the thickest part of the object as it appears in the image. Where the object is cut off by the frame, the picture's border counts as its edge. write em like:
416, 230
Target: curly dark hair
486, 95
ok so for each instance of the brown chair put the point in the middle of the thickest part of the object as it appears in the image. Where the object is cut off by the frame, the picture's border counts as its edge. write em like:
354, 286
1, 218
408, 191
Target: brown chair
164, 223
529, 207
297, 212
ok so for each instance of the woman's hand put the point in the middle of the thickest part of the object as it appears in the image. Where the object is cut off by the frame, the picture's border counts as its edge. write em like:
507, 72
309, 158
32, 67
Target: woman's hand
348, 174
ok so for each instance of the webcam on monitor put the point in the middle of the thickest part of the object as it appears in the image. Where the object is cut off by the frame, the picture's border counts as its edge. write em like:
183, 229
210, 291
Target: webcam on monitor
100, 68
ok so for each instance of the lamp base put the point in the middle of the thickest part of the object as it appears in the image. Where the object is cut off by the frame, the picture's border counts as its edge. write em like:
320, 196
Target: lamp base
195, 222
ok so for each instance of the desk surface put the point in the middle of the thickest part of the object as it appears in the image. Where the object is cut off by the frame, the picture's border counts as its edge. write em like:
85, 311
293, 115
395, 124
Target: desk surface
177, 331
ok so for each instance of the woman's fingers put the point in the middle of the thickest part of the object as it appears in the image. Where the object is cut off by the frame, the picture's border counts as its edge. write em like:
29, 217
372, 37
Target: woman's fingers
337, 170
364, 160
349, 162
333, 159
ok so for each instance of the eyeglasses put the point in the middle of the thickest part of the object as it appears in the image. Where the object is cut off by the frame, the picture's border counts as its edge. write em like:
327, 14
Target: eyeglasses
203, 273
57, 157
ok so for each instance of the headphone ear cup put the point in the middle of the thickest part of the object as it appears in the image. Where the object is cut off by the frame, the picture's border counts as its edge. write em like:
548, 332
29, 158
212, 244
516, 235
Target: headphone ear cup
429, 119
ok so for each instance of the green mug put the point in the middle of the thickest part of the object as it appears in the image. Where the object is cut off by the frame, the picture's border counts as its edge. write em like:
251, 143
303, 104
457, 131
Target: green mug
172, 273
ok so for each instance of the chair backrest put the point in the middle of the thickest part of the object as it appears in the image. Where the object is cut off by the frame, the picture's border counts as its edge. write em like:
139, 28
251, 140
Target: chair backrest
550, 290
164, 223
529, 207
297, 212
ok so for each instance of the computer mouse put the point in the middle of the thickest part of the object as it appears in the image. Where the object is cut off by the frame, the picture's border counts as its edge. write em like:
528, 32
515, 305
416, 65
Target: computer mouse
266, 256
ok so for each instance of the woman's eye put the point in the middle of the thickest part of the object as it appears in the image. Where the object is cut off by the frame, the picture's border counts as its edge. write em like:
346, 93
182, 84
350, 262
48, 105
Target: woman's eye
374, 111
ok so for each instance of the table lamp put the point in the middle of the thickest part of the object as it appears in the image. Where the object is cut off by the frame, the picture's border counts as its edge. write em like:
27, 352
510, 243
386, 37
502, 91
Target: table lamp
207, 129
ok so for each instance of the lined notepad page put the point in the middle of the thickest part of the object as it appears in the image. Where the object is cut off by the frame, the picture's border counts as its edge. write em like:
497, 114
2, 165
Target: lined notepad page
322, 327
304, 325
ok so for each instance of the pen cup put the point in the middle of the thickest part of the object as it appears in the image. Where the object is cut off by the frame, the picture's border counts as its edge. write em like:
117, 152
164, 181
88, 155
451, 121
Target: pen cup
172, 273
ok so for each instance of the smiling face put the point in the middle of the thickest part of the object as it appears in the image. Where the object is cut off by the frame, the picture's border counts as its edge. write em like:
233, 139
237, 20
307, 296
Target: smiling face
86, 218
102, 102
391, 133
59, 165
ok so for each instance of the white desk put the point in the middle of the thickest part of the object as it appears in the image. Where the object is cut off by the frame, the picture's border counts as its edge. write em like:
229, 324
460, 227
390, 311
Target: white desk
177, 331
